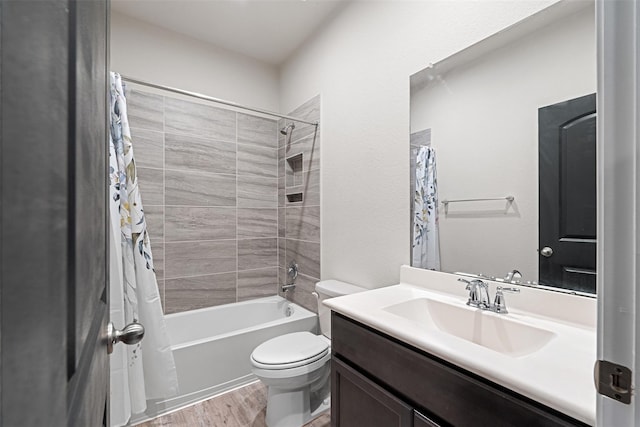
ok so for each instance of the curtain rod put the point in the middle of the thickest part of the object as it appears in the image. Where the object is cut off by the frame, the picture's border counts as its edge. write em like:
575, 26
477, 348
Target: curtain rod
216, 100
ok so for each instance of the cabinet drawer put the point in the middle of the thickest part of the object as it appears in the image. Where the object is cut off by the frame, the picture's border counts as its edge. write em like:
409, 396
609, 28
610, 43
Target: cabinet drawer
357, 401
448, 392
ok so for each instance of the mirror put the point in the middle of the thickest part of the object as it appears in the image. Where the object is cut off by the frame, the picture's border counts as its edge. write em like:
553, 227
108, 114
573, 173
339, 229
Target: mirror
511, 121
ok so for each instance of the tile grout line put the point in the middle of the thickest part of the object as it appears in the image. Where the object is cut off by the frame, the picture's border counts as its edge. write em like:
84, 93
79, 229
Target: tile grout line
287, 144
223, 240
318, 135
237, 204
277, 148
164, 210
220, 273
193, 172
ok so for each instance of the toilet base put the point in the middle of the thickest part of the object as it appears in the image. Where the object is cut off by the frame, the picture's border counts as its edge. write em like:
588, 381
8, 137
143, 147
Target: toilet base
288, 408
294, 408
324, 406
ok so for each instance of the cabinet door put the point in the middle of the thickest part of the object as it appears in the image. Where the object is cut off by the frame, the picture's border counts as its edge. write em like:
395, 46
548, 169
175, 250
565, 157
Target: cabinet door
356, 401
420, 420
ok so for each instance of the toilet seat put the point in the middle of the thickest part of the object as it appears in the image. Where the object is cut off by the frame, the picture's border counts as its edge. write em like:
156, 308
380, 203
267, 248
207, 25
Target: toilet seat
290, 351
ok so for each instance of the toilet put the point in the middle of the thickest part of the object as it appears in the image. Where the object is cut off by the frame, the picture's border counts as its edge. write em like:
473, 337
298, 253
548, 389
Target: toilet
296, 367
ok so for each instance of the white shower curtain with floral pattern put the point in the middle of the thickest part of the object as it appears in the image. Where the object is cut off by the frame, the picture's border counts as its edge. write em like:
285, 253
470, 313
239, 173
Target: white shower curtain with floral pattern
145, 370
426, 244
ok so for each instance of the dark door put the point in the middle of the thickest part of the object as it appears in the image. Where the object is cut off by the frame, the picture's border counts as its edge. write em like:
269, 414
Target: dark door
567, 180
53, 223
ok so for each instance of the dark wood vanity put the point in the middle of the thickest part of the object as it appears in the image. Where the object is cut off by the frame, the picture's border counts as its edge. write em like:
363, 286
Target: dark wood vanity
379, 381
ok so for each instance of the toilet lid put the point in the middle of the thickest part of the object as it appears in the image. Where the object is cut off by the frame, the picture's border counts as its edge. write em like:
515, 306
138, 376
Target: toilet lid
290, 350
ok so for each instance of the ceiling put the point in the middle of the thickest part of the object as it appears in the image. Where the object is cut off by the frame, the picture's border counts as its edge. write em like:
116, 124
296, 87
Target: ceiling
267, 30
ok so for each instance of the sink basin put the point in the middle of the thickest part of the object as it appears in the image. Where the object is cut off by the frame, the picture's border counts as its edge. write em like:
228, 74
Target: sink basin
493, 331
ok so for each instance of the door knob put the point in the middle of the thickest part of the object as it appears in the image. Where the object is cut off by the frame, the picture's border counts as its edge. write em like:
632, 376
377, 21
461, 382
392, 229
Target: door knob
546, 252
131, 334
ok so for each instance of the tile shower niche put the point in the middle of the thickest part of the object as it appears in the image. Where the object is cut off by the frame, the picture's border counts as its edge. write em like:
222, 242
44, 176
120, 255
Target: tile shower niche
295, 178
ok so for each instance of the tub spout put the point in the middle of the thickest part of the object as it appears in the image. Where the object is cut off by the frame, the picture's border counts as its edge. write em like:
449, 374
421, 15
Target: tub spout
285, 288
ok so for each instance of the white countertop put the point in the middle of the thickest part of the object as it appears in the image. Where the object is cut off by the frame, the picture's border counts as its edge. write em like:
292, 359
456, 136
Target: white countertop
559, 375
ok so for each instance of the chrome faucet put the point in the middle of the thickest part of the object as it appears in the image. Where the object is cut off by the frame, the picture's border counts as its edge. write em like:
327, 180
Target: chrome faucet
478, 293
479, 296
514, 276
292, 272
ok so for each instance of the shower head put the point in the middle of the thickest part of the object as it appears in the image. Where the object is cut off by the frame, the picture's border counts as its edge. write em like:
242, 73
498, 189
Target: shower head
285, 130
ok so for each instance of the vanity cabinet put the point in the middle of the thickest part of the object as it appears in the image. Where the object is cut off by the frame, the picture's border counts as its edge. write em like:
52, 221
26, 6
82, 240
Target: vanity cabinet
379, 381
359, 401
420, 420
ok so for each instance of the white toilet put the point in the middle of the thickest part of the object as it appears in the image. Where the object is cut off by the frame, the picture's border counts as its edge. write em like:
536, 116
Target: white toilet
295, 367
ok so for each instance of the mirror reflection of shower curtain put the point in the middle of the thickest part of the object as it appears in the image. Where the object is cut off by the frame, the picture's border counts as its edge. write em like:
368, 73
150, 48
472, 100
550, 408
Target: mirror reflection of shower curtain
426, 244
145, 370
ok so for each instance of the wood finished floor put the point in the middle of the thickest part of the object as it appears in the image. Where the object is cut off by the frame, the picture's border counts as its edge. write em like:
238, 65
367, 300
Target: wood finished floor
244, 407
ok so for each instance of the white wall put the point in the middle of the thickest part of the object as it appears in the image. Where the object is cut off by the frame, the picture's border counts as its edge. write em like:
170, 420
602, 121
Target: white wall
147, 52
360, 63
484, 126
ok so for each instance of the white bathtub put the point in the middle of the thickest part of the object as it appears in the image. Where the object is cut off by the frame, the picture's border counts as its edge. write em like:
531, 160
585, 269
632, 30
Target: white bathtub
211, 346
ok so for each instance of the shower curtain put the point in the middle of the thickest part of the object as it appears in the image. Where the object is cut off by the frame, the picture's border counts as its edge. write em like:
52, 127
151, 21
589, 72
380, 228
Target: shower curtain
145, 370
426, 245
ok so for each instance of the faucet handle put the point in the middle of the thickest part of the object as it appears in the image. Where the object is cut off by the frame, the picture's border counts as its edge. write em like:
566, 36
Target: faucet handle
499, 303
474, 282
460, 279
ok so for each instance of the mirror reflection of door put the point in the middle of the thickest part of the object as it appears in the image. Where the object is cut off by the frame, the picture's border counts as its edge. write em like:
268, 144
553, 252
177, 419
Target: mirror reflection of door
567, 197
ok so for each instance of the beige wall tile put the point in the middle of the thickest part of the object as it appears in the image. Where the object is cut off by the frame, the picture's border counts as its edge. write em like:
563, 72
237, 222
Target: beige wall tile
190, 293
150, 185
257, 222
199, 258
256, 192
195, 223
145, 110
303, 223
148, 146
257, 131
306, 255
154, 216
199, 120
194, 154
257, 283
257, 161
199, 189
257, 253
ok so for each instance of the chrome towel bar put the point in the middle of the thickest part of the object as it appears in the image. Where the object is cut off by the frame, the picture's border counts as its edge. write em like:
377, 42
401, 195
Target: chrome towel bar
510, 199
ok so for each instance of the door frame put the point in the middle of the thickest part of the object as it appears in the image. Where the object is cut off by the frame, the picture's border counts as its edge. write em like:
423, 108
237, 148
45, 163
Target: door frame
618, 145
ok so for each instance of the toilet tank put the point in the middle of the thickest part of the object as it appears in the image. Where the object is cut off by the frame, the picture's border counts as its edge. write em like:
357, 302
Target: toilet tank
330, 289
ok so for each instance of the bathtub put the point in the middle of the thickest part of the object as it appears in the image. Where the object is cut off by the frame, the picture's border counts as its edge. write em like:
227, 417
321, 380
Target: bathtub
211, 346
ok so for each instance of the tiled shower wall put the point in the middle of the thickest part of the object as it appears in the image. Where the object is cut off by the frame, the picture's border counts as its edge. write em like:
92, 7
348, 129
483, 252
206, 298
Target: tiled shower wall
209, 180
299, 221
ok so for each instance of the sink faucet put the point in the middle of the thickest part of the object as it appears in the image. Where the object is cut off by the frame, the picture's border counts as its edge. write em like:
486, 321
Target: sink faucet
479, 296
514, 276
478, 293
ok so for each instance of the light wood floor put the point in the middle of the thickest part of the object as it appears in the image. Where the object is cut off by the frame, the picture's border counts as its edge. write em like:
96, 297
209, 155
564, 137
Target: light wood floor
244, 407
